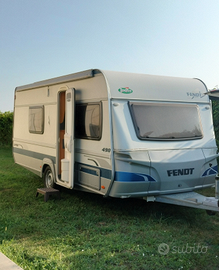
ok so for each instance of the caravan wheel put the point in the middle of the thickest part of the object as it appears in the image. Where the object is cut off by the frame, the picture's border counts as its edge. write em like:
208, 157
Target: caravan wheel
48, 177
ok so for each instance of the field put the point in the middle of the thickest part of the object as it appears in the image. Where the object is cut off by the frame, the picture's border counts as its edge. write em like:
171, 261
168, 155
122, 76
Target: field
87, 231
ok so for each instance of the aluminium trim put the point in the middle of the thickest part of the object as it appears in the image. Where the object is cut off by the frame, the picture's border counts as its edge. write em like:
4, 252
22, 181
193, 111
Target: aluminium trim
67, 78
34, 104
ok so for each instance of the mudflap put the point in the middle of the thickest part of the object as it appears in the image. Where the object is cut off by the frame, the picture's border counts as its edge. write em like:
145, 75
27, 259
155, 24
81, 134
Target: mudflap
190, 199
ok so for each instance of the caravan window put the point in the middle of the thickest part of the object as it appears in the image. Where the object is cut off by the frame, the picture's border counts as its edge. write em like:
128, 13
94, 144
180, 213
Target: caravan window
36, 119
166, 121
88, 119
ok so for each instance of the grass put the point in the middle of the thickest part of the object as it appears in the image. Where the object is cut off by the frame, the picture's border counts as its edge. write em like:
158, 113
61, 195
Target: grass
86, 231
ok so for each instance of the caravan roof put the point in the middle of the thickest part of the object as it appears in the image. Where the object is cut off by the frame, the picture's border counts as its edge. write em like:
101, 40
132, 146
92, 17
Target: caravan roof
123, 85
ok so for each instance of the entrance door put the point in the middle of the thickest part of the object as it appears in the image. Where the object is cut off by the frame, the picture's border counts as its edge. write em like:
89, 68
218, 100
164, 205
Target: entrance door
66, 139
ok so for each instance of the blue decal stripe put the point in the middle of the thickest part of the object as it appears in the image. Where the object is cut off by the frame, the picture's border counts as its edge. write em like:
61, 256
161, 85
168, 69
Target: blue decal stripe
105, 173
211, 171
33, 154
119, 176
133, 177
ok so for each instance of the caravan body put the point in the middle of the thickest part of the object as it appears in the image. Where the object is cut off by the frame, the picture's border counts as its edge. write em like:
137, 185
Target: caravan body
117, 134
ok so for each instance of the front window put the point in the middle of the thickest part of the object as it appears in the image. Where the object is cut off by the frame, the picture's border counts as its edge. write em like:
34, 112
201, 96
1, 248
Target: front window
155, 121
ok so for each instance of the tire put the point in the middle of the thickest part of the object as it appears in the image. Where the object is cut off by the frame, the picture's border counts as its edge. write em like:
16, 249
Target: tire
49, 179
210, 212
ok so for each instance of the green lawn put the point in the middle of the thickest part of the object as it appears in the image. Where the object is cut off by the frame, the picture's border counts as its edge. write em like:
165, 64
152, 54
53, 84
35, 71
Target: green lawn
86, 231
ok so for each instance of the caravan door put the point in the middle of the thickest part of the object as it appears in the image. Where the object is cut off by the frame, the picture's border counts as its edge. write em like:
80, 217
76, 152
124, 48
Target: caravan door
66, 139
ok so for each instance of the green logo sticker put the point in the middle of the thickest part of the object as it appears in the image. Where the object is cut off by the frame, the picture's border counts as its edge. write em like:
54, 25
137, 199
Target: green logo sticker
125, 90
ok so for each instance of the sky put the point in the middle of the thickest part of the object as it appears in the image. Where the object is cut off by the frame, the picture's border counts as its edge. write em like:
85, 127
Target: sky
42, 39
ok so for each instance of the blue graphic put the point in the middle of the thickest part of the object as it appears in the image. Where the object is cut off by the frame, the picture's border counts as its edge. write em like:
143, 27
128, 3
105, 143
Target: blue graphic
133, 177
210, 171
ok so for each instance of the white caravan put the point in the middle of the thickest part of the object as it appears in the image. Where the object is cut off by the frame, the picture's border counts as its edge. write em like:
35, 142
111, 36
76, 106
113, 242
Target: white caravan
120, 135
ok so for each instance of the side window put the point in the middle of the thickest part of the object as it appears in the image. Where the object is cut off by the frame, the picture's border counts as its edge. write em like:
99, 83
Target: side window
36, 119
88, 119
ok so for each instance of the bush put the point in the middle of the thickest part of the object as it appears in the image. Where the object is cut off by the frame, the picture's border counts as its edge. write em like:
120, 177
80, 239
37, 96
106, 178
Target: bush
215, 105
6, 128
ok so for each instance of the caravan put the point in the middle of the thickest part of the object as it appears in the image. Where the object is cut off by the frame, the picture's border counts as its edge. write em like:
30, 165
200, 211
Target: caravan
119, 134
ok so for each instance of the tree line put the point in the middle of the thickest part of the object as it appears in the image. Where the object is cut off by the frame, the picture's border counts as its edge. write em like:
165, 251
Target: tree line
215, 106
6, 128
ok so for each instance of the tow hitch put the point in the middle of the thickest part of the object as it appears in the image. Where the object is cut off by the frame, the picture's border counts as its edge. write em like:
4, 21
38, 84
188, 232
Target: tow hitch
191, 199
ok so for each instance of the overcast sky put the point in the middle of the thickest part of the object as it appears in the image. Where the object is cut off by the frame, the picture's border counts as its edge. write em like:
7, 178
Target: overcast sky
42, 39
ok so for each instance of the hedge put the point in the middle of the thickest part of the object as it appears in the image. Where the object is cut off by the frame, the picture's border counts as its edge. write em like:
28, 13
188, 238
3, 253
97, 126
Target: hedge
6, 124
215, 105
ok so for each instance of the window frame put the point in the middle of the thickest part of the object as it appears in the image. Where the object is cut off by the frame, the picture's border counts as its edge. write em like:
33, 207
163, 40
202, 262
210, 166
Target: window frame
41, 131
130, 103
78, 136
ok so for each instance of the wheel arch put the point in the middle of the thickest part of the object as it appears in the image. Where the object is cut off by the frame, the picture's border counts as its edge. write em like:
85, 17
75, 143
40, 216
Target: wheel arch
48, 162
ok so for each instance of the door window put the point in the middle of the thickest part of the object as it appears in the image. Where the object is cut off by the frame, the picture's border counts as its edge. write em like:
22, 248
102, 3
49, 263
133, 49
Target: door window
88, 119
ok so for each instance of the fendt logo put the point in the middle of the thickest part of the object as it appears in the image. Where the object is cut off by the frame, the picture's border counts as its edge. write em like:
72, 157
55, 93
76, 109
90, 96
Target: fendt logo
178, 172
